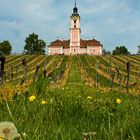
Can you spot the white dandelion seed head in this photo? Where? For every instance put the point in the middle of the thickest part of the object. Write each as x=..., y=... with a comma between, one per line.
x=8, y=130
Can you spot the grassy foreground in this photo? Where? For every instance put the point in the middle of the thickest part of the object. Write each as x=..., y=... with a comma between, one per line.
x=65, y=113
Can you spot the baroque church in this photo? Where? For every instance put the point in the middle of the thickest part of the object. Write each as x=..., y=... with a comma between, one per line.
x=75, y=45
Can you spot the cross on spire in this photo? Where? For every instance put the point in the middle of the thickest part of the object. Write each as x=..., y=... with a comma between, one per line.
x=75, y=3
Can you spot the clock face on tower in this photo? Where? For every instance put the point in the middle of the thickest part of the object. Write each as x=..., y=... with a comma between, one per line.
x=74, y=17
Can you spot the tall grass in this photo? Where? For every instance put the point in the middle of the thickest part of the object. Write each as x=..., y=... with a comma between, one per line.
x=74, y=109
x=68, y=113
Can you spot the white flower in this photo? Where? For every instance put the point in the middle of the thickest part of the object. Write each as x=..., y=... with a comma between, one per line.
x=8, y=130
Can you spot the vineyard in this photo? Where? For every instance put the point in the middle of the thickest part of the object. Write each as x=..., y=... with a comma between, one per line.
x=74, y=97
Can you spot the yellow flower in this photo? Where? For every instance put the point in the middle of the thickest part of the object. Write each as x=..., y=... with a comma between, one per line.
x=118, y=101
x=43, y=102
x=89, y=98
x=32, y=98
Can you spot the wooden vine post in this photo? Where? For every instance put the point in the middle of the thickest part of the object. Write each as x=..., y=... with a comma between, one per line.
x=24, y=63
x=111, y=74
x=36, y=72
x=119, y=76
x=12, y=73
x=128, y=76
x=44, y=71
x=2, y=62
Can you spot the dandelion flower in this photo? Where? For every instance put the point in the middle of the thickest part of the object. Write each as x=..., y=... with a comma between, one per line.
x=89, y=98
x=118, y=101
x=32, y=98
x=44, y=102
x=7, y=131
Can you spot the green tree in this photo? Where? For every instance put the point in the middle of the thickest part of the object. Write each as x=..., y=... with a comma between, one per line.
x=138, y=49
x=121, y=50
x=34, y=44
x=5, y=47
x=105, y=52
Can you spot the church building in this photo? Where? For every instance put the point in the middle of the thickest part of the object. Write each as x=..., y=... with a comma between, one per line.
x=75, y=45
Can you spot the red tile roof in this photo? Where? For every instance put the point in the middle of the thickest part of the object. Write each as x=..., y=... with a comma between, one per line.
x=83, y=43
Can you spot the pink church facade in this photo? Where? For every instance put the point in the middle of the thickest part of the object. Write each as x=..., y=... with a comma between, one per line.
x=75, y=45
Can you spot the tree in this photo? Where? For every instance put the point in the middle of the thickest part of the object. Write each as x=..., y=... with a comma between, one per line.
x=105, y=52
x=5, y=47
x=121, y=50
x=34, y=45
x=138, y=49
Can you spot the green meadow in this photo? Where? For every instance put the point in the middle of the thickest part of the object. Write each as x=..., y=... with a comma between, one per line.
x=80, y=97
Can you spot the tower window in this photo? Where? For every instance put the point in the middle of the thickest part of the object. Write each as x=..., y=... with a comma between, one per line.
x=74, y=23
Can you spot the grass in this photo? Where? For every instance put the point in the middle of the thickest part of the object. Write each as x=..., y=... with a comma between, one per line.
x=74, y=109
x=69, y=113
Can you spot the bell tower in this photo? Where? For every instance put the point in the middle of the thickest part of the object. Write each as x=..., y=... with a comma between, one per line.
x=75, y=31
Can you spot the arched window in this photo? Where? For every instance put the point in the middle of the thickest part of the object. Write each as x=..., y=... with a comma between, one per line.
x=74, y=23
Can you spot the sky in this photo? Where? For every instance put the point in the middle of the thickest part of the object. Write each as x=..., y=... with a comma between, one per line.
x=112, y=22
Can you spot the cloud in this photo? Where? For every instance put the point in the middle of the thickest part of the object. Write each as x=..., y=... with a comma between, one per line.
x=113, y=22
